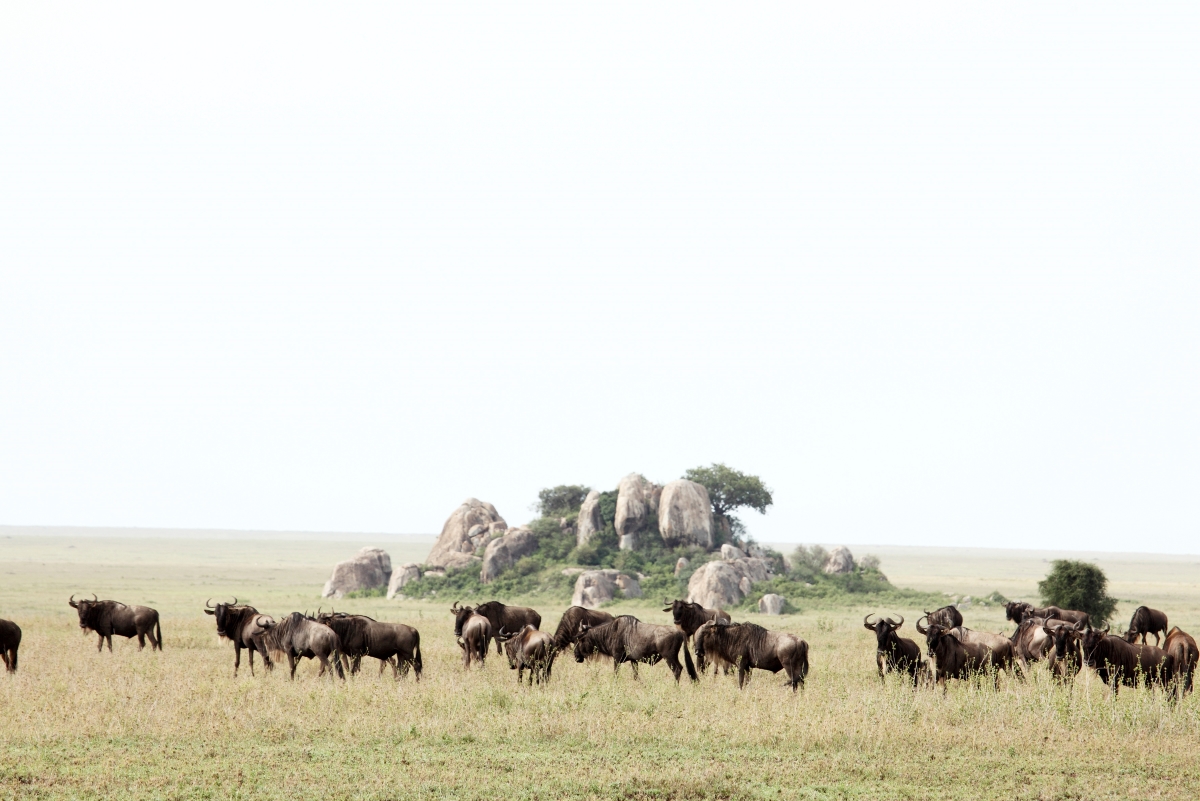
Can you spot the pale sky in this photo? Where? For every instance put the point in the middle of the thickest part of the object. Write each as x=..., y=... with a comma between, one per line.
x=930, y=270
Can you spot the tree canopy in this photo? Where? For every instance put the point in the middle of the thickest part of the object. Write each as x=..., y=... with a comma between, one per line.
x=1078, y=585
x=730, y=489
x=560, y=500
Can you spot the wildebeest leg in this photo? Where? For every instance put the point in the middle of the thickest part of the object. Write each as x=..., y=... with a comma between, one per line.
x=141, y=640
x=499, y=649
x=237, y=659
x=743, y=673
x=292, y=664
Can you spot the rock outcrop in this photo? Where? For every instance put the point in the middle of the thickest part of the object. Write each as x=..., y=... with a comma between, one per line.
x=681, y=564
x=636, y=499
x=468, y=528
x=503, y=552
x=596, y=587
x=728, y=581
x=771, y=604
x=370, y=569
x=685, y=514
x=405, y=574
x=589, y=518
x=840, y=560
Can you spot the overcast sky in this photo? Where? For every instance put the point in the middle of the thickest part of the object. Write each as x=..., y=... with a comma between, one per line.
x=930, y=270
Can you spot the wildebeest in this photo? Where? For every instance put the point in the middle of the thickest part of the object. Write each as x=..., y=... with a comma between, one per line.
x=301, y=637
x=1065, y=657
x=239, y=624
x=392, y=644
x=574, y=622
x=473, y=632
x=1146, y=621
x=750, y=646
x=1033, y=640
x=10, y=641
x=892, y=652
x=509, y=618
x=1117, y=662
x=947, y=617
x=1182, y=649
x=1019, y=610
x=107, y=618
x=955, y=659
x=627, y=639
x=532, y=649
x=690, y=616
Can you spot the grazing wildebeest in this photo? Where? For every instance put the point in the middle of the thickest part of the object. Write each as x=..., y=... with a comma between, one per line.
x=473, y=632
x=574, y=622
x=955, y=659
x=1146, y=621
x=947, y=617
x=301, y=637
x=509, y=618
x=239, y=623
x=1033, y=640
x=691, y=616
x=1182, y=649
x=1117, y=662
x=107, y=618
x=532, y=649
x=749, y=646
x=392, y=644
x=1019, y=610
x=10, y=641
x=627, y=639
x=892, y=652
x=1065, y=657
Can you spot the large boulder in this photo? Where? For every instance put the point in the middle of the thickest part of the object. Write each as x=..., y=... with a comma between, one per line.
x=596, y=587
x=685, y=514
x=715, y=585
x=468, y=528
x=405, y=574
x=771, y=604
x=589, y=518
x=636, y=499
x=369, y=569
x=840, y=560
x=504, y=551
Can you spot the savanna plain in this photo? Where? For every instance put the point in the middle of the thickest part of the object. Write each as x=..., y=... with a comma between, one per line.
x=179, y=725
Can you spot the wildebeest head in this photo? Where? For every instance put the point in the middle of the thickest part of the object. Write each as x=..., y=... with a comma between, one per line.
x=461, y=614
x=883, y=628
x=1016, y=611
x=933, y=636
x=221, y=613
x=1066, y=638
x=88, y=610
x=1093, y=645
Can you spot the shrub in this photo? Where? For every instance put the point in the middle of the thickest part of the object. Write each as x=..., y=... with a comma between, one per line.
x=1078, y=585
x=560, y=500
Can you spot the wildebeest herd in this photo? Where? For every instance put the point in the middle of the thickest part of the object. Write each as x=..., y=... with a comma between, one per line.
x=1063, y=638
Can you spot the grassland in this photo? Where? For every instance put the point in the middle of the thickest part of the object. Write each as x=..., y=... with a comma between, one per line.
x=177, y=724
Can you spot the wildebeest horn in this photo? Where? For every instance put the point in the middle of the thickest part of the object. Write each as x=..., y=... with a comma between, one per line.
x=867, y=625
x=918, y=624
x=896, y=625
x=234, y=601
x=454, y=608
x=71, y=601
x=208, y=604
x=1105, y=629
x=94, y=598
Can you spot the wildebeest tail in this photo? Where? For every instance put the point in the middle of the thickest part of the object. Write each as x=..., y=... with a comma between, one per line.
x=417, y=657
x=803, y=673
x=687, y=662
x=12, y=662
x=158, y=632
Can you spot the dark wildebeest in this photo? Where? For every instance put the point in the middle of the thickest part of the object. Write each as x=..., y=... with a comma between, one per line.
x=574, y=622
x=107, y=618
x=947, y=617
x=239, y=623
x=392, y=644
x=1182, y=649
x=749, y=646
x=532, y=649
x=1065, y=657
x=627, y=639
x=892, y=652
x=473, y=632
x=10, y=641
x=1033, y=640
x=1017, y=611
x=509, y=618
x=301, y=637
x=1146, y=621
x=955, y=659
x=690, y=616
x=1117, y=662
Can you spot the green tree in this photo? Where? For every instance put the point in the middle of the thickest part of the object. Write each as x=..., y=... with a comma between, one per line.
x=1078, y=585
x=560, y=500
x=730, y=489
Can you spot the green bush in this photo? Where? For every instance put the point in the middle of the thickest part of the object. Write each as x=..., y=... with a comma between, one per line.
x=1081, y=586
x=561, y=500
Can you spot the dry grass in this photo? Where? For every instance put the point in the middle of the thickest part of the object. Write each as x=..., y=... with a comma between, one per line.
x=176, y=724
